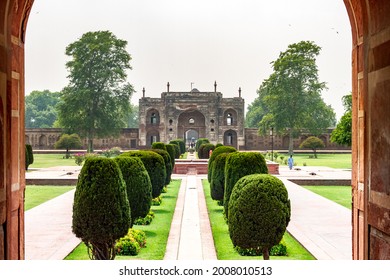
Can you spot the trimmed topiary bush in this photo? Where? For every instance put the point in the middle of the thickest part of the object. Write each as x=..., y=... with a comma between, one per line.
x=172, y=153
x=238, y=165
x=259, y=212
x=217, y=185
x=177, y=150
x=159, y=145
x=155, y=165
x=216, y=152
x=180, y=143
x=204, y=150
x=276, y=250
x=29, y=156
x=101, y=211
x=146, y=220
x=138, y=186
x=131, y=243
x=199, y=143
x=167, y=162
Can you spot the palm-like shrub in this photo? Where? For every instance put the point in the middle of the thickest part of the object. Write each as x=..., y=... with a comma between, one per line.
x=259, y=212
x=155, y=165
x=217, y=184
x=218, y=150
x=138, y=186
x=238, y=165
x=101, y=211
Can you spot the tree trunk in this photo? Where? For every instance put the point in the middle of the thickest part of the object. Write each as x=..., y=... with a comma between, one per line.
x=290, y=143
x=265, y=254
x=90, y=145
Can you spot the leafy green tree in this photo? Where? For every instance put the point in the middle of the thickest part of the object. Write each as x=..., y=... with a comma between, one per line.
x=342, y=134
x=68, y=142
x=292, y=94
x=41, y=109
x=313, y=143
x=256, y=110
x=133, y=118
x=96, y=101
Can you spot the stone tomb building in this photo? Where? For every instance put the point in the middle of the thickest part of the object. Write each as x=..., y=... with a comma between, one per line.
x=190, y=116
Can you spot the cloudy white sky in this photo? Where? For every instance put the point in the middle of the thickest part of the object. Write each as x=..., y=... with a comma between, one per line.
x=232, y=42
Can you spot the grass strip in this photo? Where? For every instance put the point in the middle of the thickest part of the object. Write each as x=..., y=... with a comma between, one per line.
x=36, y=195
x=50, y=160
x=339, y=194
x=223, y=243
x=338, y=161
x=156, y=233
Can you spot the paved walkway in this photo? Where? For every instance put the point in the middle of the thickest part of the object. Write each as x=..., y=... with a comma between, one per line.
x=320, y=225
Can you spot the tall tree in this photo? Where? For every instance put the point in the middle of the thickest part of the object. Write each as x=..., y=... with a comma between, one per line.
x=342, y=134
x=133, y=119
x=256, y=110
x=292, y=94
x=97, y=99
x=41, y=109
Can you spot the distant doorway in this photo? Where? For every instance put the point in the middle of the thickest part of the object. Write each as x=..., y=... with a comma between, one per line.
x=191, y=136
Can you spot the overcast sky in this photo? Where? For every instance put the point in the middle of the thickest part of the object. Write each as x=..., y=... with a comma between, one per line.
x=231, y=42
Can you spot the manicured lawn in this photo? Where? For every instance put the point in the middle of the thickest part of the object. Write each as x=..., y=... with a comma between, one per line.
x=339, y=194
x=156, y=233
x=224, y=246
x=341, y=161
x=50, y=160
x=36, y=195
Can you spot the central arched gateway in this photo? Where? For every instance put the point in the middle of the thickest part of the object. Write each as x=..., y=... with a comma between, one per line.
x=191, y=125
x=206, y=113
x=371, y=131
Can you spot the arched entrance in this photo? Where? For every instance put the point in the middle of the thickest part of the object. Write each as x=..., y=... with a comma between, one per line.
x=371, y=132
x=191, y=124
x=190, y=137
x=230, y=138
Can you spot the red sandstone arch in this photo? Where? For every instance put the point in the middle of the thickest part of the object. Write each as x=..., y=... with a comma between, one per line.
x=370, y=26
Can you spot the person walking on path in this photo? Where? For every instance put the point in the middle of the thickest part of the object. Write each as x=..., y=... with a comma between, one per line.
x=290, y=162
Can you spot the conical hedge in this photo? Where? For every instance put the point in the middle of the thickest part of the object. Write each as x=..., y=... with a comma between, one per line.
x=168, y=164
x=218, y=150
x=238, y=165
x=259, y=212
x=138, y=185
x=101, y=211
x=155, y=165
x=217, y=185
